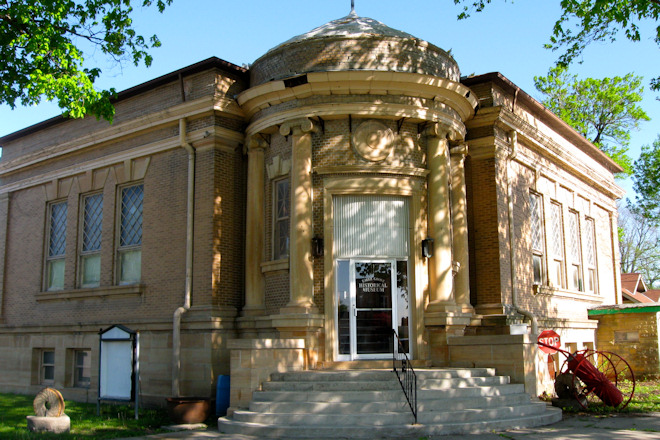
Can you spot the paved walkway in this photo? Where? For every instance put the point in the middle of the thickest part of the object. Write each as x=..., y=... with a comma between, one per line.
x=572, y=427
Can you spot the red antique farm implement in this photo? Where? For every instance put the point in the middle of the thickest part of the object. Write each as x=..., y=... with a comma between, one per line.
x=592, y=375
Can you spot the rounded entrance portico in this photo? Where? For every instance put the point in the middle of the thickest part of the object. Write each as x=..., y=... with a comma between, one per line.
x=360, y=126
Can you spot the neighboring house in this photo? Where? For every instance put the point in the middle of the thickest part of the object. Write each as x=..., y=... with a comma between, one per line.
x=632, y=332
x=634, y=290
x=654, y=295
x=292, y=215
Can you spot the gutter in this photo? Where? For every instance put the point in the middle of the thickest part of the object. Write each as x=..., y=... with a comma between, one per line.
x=512, y=253
x=187, y=296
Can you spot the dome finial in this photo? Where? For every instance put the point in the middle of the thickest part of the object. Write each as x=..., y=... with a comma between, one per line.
x=352, y=6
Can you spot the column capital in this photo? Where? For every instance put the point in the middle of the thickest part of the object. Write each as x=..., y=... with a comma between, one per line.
x=459, y=151
x=435, y=130
x=257, y=142
x=297, y=127
x=438, y=130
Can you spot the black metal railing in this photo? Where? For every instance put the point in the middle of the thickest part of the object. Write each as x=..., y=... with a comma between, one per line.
x=405, y=374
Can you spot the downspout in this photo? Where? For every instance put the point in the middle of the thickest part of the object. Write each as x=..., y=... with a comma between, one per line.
x=512, y=253
x=187, y=296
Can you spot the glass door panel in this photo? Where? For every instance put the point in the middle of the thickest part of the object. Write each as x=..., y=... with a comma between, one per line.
x=373, y=332
x=373, y=307
x=402, y=301
x=344, y=308
x=372, y=300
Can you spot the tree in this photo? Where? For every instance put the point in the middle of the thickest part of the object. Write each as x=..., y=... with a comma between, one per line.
x=602, y=110
x=639, y=241
x=41, y=48
x=585, y=21
x=646, y=181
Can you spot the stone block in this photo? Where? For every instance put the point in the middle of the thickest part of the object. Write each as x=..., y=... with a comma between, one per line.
x=55, y=425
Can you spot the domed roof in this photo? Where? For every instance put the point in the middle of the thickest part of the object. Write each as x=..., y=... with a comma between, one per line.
x=351, y=26
x=353, y=43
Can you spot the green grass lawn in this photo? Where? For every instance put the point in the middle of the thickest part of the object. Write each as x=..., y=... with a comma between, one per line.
x=646, y=398
x=114, y=421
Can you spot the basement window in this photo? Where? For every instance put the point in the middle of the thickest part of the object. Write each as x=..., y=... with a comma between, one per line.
x=626, y=336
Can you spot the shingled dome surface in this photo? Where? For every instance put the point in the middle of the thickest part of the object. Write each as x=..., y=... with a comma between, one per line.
x=353, y=43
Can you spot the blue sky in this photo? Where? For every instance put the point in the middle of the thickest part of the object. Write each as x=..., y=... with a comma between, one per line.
x=507, y=38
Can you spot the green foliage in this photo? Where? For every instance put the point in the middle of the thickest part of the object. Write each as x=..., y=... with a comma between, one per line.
x=114, y=421
x=602, y=110
x=639, y=240
x=585, y=21
x=41, y=47
x=646, y=181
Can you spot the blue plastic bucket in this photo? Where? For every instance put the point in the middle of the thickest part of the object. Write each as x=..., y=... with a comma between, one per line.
x=222, y=396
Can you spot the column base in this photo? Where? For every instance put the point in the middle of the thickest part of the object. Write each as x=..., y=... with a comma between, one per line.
x=253, y=311
x=298, y=324
x=306, y=326
x=250, y=327
x=305, y=308
x=443, y=314
x=438, y=342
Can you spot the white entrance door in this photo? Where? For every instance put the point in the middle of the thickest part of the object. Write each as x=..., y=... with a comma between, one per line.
x=371, y=236
x=372, y=298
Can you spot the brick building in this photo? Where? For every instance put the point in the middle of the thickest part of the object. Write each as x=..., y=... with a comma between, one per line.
x=631, y=331
x=292, y=215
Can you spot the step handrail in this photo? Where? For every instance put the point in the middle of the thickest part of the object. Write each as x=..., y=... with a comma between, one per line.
x=407, y=378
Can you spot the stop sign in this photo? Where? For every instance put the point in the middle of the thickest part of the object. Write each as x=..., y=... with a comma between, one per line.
x=550, y=340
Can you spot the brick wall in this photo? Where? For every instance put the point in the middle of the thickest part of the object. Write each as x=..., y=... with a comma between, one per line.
x=70, y=319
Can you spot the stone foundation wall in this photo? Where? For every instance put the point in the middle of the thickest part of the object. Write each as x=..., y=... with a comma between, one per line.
x=254, y=360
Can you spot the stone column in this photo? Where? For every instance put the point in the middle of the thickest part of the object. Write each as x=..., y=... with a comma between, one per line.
x=301, y=270
x=4, y=218
x=254, y=233
x=441, y=298
x=460, y=228
x=443, y=317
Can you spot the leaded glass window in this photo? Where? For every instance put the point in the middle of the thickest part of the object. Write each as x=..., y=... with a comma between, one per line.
x=575, y=250
x=590, y=256
x=282, y=221
x=536, y=218
x=90, y=258
x=556, y=245
x=130, y=234
x=56, y=246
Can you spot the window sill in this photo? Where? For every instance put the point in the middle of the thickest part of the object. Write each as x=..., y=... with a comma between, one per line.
x=275, y=265
x=570, y=294
x=92, y=293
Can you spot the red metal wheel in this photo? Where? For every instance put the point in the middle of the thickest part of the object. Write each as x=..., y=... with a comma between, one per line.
x=601, y=378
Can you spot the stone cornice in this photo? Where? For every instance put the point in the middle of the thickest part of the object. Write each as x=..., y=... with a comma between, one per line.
x=539, y=142
x=133, y=127
x=336, y=110
x=549, y=148
x=540, y=112
x=201, y=137
x=372, y=169
x=360, y=82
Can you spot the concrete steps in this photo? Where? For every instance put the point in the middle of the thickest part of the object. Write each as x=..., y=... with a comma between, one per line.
x=370, y=404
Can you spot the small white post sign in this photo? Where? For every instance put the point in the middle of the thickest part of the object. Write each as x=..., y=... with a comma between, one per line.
x=118, y=365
